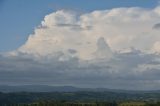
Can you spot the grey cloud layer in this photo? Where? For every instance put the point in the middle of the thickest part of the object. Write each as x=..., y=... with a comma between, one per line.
x=156, y=26
x=123, y=71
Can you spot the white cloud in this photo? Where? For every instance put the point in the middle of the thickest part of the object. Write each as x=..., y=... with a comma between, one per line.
x=105, y=48
x=156, y=46
x=122, y=28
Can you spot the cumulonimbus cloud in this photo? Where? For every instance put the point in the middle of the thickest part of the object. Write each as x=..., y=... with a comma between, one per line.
x=114, y=48
x=122, y=28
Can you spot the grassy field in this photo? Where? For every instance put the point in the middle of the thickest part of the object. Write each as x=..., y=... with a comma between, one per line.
x=133, y=104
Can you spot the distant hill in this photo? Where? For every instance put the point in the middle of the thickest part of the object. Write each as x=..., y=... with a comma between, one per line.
x=37, y=88
x=34, y=93
x=46, y=88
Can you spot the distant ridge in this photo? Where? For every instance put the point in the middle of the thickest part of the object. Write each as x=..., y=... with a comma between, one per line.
x=37, y=88
x=47, y=88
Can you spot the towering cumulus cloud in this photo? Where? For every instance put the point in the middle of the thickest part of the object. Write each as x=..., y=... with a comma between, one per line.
x=117, y=48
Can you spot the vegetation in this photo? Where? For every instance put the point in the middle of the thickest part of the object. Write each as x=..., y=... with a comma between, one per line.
x=62, y=103
x=80, y=99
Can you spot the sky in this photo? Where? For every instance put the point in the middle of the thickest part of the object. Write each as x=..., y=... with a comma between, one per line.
x=27, y=15
x=88, y=43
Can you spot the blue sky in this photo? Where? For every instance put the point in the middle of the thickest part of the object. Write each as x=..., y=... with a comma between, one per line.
x=18, y=18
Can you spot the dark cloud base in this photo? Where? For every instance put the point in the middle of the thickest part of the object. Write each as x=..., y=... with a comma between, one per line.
x=123, y=71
